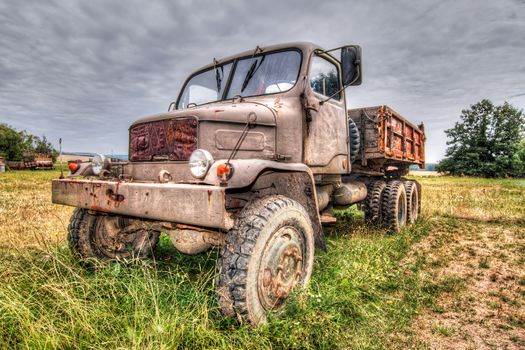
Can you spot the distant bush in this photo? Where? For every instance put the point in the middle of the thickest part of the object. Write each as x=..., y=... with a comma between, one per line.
x=489, y=141
x=14, y=145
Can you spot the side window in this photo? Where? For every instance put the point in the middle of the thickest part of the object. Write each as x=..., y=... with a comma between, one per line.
x=324, y=78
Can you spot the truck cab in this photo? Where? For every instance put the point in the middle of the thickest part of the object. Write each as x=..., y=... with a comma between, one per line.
x=250, y=157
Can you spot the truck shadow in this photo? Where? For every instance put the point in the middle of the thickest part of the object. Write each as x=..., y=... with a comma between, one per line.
x=351, y=222
x=167, y=255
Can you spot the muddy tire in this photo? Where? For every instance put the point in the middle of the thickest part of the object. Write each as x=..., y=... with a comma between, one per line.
x=394, y=208
x=267, y=254
x=108, y=237
x=373, y=201
x=413, y=201
x=420, y=194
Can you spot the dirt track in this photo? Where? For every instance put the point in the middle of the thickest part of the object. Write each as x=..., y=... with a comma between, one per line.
x=478, y=268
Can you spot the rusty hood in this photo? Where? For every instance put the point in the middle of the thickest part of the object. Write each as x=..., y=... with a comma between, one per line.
x=226, y=111
x=175, y=135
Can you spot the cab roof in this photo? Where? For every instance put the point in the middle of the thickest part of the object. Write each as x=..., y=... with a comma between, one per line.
x=302, y=45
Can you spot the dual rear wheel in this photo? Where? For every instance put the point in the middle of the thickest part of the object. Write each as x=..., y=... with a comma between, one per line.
x=392, y=203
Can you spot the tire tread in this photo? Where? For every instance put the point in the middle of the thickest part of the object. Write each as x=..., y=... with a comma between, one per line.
x=239, y=244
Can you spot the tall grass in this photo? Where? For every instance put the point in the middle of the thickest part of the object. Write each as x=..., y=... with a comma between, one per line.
x=361, y=291
x=496, y=200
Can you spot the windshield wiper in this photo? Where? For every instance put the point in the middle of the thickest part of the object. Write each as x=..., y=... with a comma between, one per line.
x=218, y=77
x=251, y=72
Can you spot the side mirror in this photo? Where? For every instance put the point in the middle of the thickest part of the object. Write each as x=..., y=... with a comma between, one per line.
x=172, y=106
x=351, y=65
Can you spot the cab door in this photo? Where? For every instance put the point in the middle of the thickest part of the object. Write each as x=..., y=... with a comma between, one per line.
x=325, y=143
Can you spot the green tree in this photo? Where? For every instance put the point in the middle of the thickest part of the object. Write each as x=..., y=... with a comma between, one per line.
x=519, y=159
x=15, y=144
x=485, y=142
x=43, y=146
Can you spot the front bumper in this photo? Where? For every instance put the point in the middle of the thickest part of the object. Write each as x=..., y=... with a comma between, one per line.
x=198, y=205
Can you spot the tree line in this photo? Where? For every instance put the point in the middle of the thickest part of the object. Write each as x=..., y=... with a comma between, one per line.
x=488, y=141
x=15, y=145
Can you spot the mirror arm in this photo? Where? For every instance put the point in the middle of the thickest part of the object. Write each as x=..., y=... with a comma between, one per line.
x=326, y=51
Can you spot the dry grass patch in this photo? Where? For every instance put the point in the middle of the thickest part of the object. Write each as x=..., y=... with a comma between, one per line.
x=477, y=266
x=27, y=216
x=475, y=199
x=486, y=307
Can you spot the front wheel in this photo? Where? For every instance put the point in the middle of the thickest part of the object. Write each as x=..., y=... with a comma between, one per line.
x=267, y=255
x=109, y=237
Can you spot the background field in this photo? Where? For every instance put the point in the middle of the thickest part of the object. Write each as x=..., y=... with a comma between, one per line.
x=456, y=279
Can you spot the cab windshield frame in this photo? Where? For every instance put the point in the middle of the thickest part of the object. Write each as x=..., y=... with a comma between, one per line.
x=232, y=72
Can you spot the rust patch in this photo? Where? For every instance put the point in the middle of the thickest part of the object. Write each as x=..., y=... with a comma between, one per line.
x=175, y=139
x=114, y=195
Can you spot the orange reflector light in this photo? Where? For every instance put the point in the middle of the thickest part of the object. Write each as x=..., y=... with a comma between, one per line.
x=224, y=170
x=73, y=167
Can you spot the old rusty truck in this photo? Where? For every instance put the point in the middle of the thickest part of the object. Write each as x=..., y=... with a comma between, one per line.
x=253, y=155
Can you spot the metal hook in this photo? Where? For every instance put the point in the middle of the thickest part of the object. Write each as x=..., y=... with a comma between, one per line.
x=257, y=50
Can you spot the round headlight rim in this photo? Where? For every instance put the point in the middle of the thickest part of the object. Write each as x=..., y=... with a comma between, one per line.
x=99, y=162
x=209, y=162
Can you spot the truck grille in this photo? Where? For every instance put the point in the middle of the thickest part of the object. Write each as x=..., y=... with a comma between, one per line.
x=172, y=139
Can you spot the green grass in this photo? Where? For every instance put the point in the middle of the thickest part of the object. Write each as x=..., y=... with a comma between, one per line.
x=363, y=289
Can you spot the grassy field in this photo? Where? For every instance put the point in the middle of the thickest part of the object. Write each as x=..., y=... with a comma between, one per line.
x=455, y=279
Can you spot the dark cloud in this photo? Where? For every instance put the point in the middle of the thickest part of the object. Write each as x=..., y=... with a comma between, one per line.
x=83, y=70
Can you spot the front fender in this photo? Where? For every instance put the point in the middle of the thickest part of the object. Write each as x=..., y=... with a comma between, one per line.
x=294, y=180
x=246, y=171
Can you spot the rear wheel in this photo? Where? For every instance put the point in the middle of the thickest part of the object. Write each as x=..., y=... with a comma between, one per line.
x=108, y=237
x=267, y=255
x=413, y=201
x=373, y=201
x=394, y=206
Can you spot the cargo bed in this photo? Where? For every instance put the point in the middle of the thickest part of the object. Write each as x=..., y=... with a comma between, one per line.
x=387, y=140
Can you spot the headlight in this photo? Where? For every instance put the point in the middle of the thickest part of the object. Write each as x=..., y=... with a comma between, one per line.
x=200, y=162
x=98, y=163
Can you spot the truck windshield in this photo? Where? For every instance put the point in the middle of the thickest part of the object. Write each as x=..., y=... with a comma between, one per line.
x=263, y=74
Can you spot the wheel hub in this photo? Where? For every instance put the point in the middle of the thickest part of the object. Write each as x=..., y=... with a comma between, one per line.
x=281, y=267
x=113, y=240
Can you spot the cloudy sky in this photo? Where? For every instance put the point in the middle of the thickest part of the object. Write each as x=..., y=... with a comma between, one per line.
x=83, y=70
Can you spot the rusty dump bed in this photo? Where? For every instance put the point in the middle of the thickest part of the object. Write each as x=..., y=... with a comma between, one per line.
x=387, y=138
